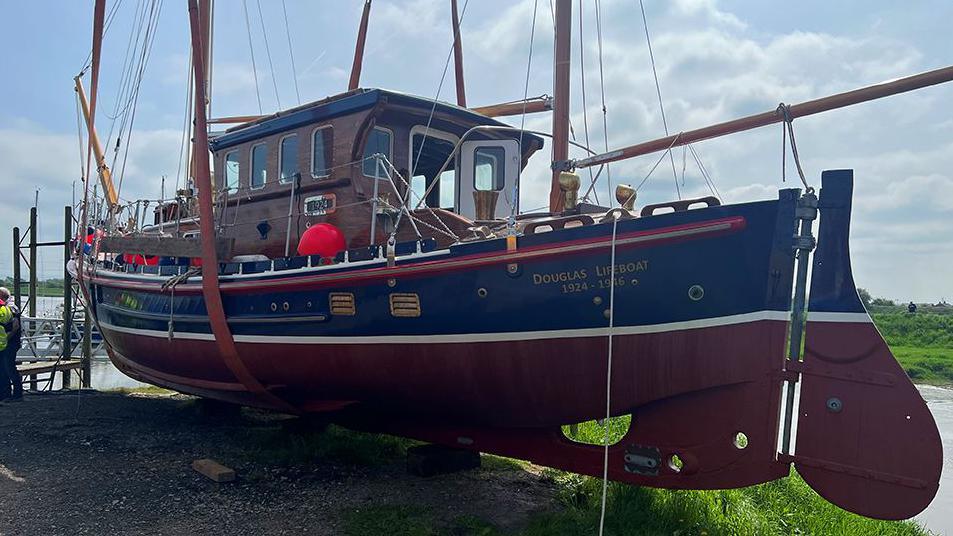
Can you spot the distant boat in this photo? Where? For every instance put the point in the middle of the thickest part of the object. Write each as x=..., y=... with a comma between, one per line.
x=462, y=320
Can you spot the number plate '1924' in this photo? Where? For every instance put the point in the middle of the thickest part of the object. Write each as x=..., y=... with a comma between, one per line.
x=320, y=205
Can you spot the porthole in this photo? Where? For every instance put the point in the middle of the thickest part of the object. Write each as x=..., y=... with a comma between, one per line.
x=740, y=441
x=481, y=292
x=274, y=307
x=285, y=306
x=675, y=463
x=696, y=292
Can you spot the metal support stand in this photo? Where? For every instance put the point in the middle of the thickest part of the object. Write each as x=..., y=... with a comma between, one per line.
x=17, y=298
x=31, y=300
x=377, y=173
x=804, y=243
x=67, y=295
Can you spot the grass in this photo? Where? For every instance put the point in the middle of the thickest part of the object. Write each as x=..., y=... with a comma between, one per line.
x=141, y=390
x=279, y=447
x=922, y=343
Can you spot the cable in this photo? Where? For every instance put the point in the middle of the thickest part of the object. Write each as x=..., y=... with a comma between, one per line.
x=294, y=70
x=658, y=91
x=529, y=64
x=251, y=47
x=582, y=79
x=271, y=66
x=602, y=89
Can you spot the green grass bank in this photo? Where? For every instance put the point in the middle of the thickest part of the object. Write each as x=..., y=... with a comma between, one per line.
x=921, y=342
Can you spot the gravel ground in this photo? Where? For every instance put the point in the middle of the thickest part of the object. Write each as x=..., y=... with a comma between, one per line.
x=108, y=463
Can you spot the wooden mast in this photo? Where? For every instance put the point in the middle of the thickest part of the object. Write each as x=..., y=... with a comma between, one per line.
x=458, y=56
x=840, y=100
x=560, y=101
x=203, y=182
x=355, y=81
x=105, y=175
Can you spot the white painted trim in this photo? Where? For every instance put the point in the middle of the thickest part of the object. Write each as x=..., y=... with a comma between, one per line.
x=860, y=318
x=778, y=316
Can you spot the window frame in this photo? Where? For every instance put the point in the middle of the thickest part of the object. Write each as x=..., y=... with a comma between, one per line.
x=431, y=132
x=251, y=166
x=238, y=160
x=390, y=148
x=281, y=150
x=324, y=150
x=499, y=166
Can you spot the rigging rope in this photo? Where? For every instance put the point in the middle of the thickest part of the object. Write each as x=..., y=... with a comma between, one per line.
x=605, y=440
x=529, y=64
x=658, y=91
x=602, y=89
x=436, y=97
x=271, y=66
x=251, y=47
x=294, y=70
x=785, y=111
x=582, y=80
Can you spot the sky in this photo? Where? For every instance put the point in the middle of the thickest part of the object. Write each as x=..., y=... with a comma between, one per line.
x=716, y=60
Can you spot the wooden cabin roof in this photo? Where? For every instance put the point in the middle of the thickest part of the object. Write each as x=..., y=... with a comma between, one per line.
x=344, y=104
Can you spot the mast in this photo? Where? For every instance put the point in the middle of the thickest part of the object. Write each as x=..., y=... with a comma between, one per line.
x=105, y=175
x=359, y=49
x=561, y=101
x=458, y=56
x=823, y=104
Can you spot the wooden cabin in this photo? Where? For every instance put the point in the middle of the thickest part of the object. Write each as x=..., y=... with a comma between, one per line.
x=316, y=162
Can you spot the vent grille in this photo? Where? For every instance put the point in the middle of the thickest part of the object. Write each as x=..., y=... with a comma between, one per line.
x=342, y=303
x=404, y=305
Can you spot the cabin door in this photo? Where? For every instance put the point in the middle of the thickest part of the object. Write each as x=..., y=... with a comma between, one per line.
x=488, y=165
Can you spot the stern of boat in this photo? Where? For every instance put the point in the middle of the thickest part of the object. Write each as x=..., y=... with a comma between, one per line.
x=865, y=439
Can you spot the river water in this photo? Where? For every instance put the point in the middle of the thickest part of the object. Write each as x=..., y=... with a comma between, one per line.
x=938, y=517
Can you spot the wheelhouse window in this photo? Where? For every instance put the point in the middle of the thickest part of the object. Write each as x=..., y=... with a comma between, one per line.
x=488, y=168
x=288, y=157
x=321, y=141
x=430, y=150
x=380, y=140
x=232, y=171
x=259, y=165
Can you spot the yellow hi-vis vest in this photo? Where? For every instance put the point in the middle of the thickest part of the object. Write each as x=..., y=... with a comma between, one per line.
x=6, y=316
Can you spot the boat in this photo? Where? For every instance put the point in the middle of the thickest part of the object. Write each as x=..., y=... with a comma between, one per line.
x=364, y=257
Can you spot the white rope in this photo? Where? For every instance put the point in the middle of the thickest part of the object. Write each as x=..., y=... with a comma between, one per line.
x=605, y=439
x=658, y=91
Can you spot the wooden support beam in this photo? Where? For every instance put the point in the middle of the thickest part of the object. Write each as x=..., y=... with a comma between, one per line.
x=515, y=108
x=105, y=175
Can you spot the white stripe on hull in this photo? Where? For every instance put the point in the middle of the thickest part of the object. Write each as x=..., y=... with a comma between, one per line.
x=505, y=336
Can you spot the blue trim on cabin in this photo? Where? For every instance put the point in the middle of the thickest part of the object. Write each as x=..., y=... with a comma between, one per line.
x=323, y=110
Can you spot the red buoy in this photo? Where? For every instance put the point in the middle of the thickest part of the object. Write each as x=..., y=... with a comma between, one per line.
x=321, y=239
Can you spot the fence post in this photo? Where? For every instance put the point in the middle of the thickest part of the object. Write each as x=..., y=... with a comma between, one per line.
x=31, y=303
x=67, y=332
x=16, y=267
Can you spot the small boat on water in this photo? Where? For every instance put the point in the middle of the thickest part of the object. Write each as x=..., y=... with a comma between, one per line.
x=365, y=256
